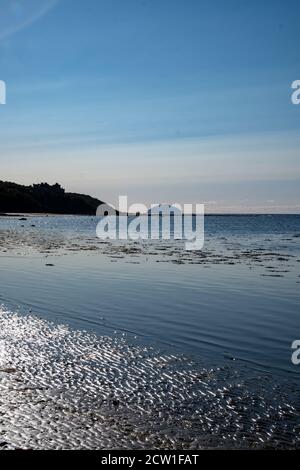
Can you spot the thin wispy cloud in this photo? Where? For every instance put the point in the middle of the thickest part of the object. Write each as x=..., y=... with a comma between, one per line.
x=16, y=15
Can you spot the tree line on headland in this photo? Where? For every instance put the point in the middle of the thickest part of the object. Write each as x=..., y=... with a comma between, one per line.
x=44, y=198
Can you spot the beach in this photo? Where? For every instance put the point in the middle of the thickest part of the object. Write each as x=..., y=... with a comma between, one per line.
x=108, y=345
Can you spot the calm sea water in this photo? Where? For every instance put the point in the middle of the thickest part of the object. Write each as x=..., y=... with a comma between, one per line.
x=240, y=302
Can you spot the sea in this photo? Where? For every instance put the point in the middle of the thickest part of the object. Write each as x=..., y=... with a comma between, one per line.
x=96, y=335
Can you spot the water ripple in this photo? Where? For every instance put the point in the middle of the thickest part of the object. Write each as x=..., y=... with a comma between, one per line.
x=67, y=389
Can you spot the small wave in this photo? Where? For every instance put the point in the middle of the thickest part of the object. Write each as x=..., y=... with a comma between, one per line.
x=67, y=389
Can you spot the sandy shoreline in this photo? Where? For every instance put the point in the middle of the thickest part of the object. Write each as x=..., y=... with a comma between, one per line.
x=62, y=388
x=67, y=389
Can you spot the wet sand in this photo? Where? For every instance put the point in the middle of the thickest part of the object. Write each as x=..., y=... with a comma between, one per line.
x=69, y=389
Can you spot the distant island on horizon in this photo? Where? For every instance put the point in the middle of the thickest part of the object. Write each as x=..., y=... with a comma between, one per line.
x=44, y=198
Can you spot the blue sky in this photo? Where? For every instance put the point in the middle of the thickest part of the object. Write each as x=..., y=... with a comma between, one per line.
x=162, y=100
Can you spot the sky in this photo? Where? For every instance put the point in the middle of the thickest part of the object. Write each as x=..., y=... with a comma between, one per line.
x=185, y=101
